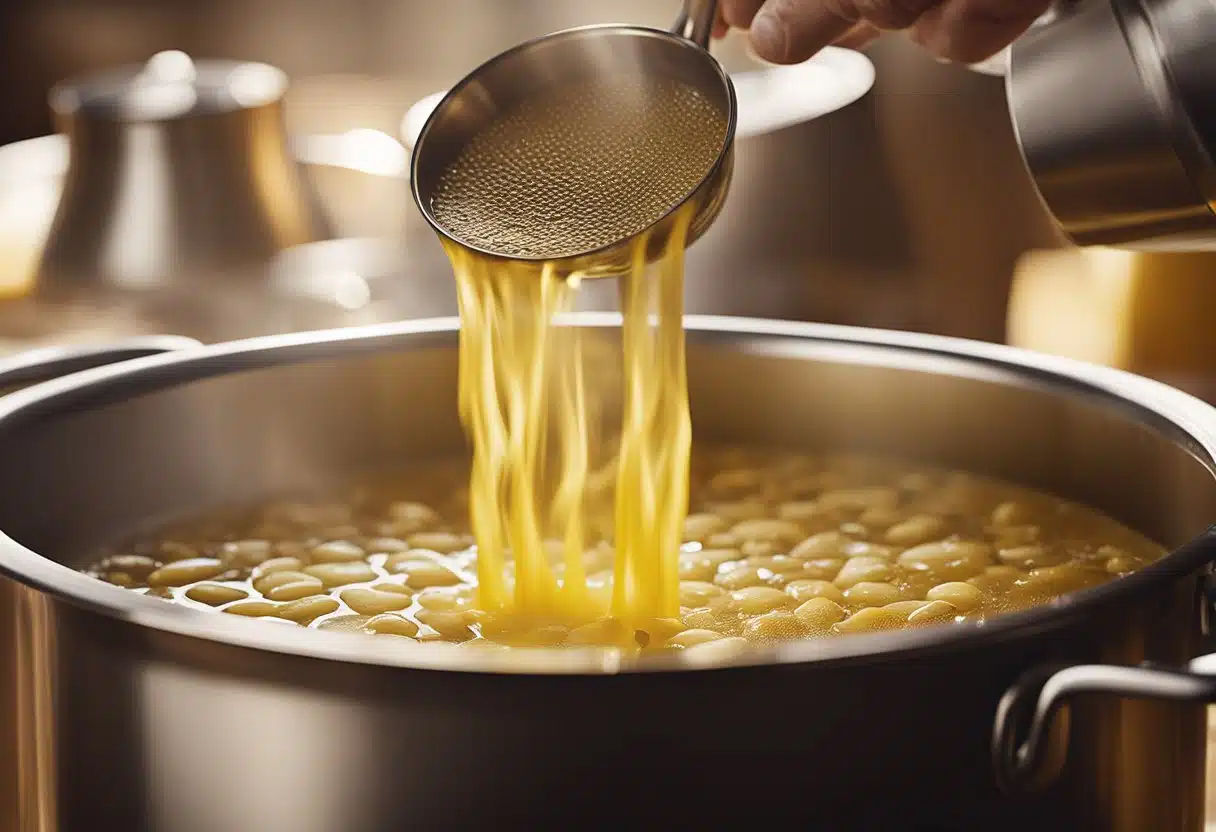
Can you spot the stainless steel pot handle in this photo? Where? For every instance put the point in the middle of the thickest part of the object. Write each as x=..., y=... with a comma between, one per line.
x=46, y=363
x=1027, y=711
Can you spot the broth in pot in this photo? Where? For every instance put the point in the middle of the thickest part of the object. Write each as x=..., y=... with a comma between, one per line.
x=778, y=546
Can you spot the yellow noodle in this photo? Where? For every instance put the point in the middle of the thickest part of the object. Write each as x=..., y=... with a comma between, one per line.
x=531, y=408
x=656, y=436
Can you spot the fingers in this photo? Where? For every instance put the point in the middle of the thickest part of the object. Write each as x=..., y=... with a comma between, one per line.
x=739, y=13
x=891, y=15
x=965, y=31
x=790, y=31
x=969, y=31
x=860, y=35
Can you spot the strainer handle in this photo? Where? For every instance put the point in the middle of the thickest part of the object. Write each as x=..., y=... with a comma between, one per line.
x=696, y=21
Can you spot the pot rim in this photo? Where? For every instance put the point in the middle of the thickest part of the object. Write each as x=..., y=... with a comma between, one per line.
x=1184, y=419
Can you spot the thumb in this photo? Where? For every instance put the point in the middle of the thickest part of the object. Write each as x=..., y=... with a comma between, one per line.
x=969, y=31
x=791, y=31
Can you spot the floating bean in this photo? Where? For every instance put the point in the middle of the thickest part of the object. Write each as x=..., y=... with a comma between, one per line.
x=307, y=610
x=965, y=597
x=422, y=573
x=295, y=590
x=183, y=572
x=371, y=602
x=341, y=574
x=760, y=599
x=872, y=594
x=691, y=638
x=953, y=560
x=252, y=609
x=697, y=593
x=774, y=626
x=861, y=569
x=822, y=545
x=337, y=551
x=442, y=542
x=214, y=595
x=934, y=612
x=806, y=589
x=392, y=624
x=820, y=613
x=284, y=564
x=870, y=619
x=698, y=527
x=916, y=530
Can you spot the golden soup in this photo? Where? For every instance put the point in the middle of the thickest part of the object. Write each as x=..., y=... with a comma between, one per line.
x=778, y=546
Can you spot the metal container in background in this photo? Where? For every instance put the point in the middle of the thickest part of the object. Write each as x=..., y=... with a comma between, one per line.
x=1114, y=103
x=179, y=171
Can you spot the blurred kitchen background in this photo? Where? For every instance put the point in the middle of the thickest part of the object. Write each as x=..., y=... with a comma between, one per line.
x=907, y=209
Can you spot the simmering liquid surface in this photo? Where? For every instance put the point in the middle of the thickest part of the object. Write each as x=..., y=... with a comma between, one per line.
x=779, y=546
x=581, y=167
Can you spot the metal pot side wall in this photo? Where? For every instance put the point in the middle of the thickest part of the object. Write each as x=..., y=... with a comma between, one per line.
x=163, y=732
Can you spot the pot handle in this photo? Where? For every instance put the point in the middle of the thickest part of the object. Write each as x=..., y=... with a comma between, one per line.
x=47, y=363
x=1029, y=707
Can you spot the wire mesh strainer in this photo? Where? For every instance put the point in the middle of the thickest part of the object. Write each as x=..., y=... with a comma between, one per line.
x=567, y=147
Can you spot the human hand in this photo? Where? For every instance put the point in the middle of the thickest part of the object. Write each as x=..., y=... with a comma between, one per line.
x=963, y=31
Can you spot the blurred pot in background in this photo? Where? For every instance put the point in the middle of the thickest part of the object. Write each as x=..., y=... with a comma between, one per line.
x=179, y=170
x=175, y=201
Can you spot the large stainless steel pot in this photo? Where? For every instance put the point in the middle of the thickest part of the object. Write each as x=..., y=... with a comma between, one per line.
x=136, y=714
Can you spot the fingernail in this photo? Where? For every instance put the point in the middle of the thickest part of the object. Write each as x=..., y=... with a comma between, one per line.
x=768, y=37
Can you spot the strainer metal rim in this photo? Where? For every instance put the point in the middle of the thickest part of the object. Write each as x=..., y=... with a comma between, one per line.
x=616, y=28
